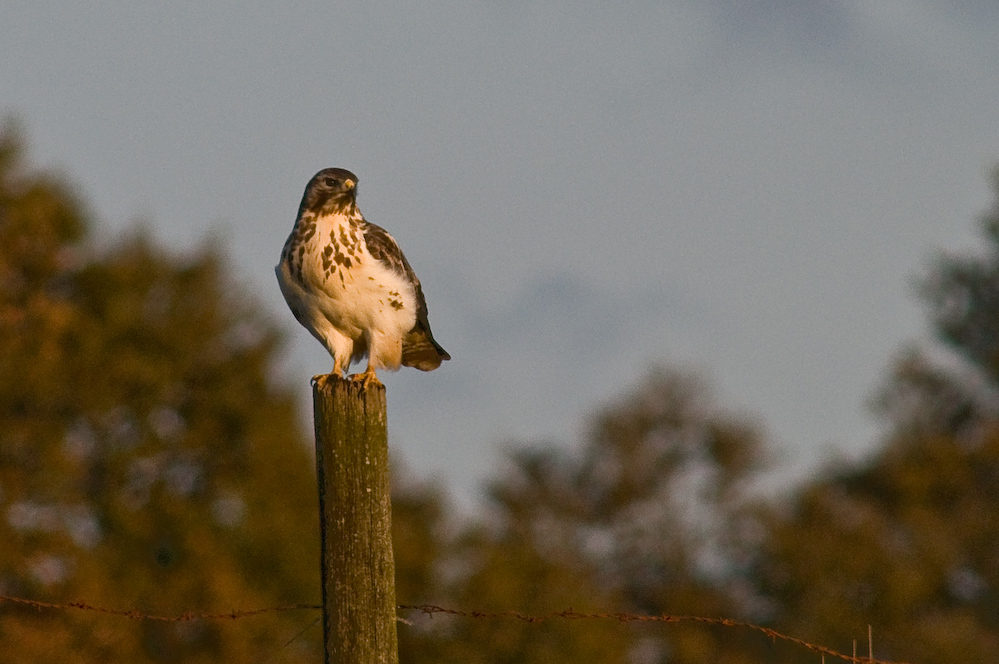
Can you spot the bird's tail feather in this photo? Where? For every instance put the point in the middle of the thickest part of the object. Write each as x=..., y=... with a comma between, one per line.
x=419, y=350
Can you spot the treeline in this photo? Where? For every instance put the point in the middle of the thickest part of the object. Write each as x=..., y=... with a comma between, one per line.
x=150, y=460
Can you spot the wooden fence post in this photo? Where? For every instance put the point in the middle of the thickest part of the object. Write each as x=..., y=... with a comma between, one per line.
x=355, y=511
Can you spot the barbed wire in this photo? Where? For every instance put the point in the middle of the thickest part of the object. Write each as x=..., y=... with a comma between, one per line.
x=570, y=614
x=431, y=610
x=135, y=614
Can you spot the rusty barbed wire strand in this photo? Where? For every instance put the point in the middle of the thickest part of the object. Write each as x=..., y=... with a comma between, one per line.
x=571, y=614
x=135, y=614
x=432, y=609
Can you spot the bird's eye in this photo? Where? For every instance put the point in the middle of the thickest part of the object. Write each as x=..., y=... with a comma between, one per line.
x=331, y=182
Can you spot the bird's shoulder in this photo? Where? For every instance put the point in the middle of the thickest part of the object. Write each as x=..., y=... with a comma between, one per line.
x=383, y=248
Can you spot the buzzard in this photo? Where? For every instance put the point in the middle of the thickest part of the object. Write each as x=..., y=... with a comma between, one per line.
x=349, y=284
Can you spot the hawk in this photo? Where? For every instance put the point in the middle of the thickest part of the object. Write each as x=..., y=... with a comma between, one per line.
x=349, y=284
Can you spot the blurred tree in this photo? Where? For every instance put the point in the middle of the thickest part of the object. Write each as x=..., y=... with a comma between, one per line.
x=423, y=540
x=906, y=544
x=147, y=457
x=956, y=386
x=906, y=541
x=646, y=516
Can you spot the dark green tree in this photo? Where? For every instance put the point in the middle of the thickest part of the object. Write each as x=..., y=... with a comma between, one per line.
x=954, y=386
x=906, y=541
x=148, y=458
x=646, y=515
x=423, y=530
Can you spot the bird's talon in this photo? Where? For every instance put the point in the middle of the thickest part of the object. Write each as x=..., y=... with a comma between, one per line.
x=367, y=379
x=322, y=380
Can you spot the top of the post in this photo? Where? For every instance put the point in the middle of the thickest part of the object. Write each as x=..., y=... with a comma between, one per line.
x=330, y=386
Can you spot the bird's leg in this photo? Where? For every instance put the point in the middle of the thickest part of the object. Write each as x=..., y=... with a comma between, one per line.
x=368, y=378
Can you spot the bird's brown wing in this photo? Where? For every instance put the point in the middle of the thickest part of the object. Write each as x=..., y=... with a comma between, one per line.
x=419, y=349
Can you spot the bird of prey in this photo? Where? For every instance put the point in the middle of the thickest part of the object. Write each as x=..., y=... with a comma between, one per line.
x=349, y=284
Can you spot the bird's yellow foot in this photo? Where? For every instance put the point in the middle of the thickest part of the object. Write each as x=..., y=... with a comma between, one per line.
x=367, y=379
x=321, y=380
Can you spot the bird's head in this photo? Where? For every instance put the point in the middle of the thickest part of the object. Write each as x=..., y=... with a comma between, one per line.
x=330, y=191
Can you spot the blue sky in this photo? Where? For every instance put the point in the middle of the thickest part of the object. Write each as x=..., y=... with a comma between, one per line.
x=744, y=188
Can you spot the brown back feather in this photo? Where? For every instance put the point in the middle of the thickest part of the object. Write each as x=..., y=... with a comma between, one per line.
x=419, y=349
